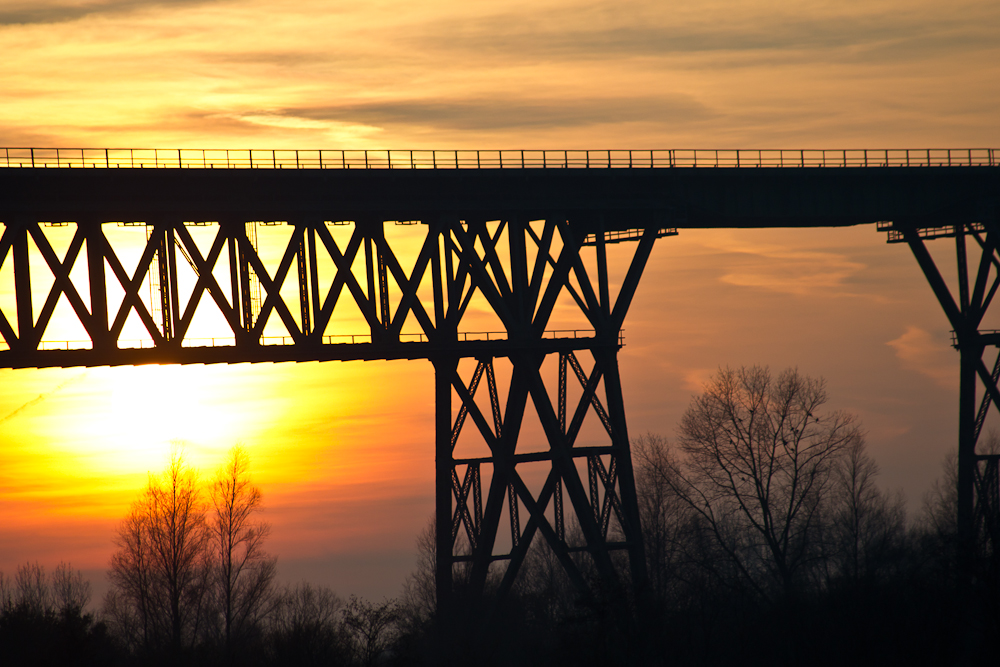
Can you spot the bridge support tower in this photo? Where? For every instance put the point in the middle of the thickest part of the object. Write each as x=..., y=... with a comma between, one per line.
x=578, y=499
x=977, y=280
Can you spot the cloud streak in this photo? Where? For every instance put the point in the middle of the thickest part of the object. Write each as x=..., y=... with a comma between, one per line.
x=498, y=114
x=29, y=13
x=917, y=351
x=790, y=271
x=887, y=33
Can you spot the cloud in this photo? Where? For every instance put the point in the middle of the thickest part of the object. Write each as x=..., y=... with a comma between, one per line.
x=917, y=351
x=69, y=10
x=696, y=379
x=602, y=30
x=798, y=272
x=493, y=114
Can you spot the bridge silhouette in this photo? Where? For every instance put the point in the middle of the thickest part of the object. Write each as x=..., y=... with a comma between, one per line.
x=518, y=235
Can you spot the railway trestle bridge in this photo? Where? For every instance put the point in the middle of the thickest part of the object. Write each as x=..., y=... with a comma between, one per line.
x=517, y=235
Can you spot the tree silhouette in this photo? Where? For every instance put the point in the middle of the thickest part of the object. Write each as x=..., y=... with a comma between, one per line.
x=867, y=525
x=162, y=568
x=245, y=571
x=374, y=626
x=305, y=628
x=43, y=622
x=759, y=458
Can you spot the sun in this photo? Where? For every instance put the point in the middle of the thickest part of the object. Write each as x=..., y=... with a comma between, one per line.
x=145, y=412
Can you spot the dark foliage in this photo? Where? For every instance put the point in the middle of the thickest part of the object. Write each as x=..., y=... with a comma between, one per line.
x=53, y=638
x=43, y=622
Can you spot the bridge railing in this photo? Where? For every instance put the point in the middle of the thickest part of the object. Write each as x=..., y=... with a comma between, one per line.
x=199, y=158
x=328, y=339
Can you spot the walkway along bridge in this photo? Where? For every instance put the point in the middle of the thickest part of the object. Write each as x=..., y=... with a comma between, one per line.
x=514, y=232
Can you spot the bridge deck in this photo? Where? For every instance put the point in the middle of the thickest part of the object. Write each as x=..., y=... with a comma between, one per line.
x=622, y=189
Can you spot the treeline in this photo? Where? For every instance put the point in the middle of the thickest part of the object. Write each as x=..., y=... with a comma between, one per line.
x=191, y=584
x=44, y=622
x=768, y=541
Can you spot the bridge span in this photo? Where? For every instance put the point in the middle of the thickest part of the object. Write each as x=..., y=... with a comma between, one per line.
x=510, y=233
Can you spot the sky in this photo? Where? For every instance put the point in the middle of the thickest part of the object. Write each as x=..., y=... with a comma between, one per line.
x=343, y=451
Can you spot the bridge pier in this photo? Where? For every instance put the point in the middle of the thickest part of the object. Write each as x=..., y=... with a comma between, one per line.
x=481, y=499
x=978, y=512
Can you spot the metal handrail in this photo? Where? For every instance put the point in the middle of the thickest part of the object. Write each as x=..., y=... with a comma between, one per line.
x=329, y=339
x=200, y=158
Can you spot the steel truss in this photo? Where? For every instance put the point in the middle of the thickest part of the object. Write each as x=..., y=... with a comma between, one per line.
x=978, y=478
x=584, y=508
x=605, y=509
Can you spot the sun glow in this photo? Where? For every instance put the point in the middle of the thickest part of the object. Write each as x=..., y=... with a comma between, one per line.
x=84, y=441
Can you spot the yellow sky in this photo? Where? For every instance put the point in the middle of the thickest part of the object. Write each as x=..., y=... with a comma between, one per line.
x=343, y=449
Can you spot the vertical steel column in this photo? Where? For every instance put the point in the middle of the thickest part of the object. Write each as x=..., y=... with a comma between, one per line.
x=98, y=289
x=235, y=276
x=383, y=285
x=163, y=256
x=175, y=306
x=303, y=271
x=626, y=476
x=970, y=352
x=370, y=271
x=246, y=297
x=444, y=371
x=22, y=289
x=314, y=272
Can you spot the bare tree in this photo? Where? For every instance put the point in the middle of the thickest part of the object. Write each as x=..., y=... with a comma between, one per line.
x=940, y=507
x=306, y=628
x=419, y=599
x=419, y=592
x=161, y=569
x=373, y=626
x=245, y=571
x=131, y=603
x=179, y=538
x=6, y=594
x=32, y=592
x=759, y=455
x=666, y=517
x=71, y=592
x=868, y=525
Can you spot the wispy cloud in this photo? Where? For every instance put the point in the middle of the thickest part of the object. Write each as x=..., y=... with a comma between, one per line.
x=789, y=270
x=493, y=114
x=61, y=11
x=600, y=30
x=918, y=351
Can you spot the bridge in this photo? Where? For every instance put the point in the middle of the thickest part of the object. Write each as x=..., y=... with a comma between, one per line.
x=345, y=255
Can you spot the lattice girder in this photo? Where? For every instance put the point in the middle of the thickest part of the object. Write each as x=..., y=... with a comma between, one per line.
x=288, y=311
x=978, y=495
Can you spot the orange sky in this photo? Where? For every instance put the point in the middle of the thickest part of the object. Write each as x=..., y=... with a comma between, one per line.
x=343, y=450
